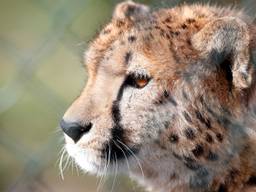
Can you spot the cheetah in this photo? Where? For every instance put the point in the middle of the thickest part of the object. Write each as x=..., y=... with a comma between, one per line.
x=170, y=99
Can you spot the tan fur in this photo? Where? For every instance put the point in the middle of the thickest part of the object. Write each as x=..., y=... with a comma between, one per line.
x=193, y=124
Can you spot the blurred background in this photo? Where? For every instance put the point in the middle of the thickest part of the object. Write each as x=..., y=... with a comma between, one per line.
x=41, y=49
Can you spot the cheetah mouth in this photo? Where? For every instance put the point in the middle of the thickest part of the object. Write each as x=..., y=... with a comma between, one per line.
x=105, y=160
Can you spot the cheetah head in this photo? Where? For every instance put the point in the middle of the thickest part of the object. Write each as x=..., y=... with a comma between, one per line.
x=158, y=83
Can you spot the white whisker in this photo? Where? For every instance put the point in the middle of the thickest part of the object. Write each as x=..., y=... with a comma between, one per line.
x=126, y=159
x=61, y=164
x=135, y=157
x=77, y=168
x=101, y=184
x=114, y=181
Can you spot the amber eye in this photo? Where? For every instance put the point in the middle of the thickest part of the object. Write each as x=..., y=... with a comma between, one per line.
x=141, y=82
x=137, y=81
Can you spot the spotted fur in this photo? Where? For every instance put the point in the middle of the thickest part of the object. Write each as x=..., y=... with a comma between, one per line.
x=192, y=125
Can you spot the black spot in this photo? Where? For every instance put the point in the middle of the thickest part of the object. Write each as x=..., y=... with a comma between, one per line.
x=159, y=101
x=166, y=94
x=189, y=133
x=189, y=42
x=207, y=122
x=119, y=23
x=174, y=33
x=162, y=32
x=169, y=27
x=222, y=188
x=198, y=150
x=189, y=21
x=167, y=36
x=167, y=20
x=199, y=116
x=127, y=57
x=184, y=26
x=151, y=36
x=174, y=138
x=209, y=138
x=187, y=117
x=191, y=163
x=166, y=97
x=219, y=137
x=132, y=39
x=163, y=98
x=212, y=156
x=201, y=99
x=197, y=26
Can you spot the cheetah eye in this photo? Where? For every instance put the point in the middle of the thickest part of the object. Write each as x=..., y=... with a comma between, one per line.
x=137, y=81
x=140, y=83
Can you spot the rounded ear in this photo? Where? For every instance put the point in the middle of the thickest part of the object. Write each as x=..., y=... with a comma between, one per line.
x=227, y=37
x=131, y=11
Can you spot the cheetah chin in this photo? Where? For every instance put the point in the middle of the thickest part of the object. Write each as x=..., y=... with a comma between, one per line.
x=170, y=99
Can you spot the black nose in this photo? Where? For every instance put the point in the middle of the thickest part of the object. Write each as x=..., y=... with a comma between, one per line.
x=74, y=130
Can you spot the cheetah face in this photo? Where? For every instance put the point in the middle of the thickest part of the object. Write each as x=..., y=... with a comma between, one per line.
x=146, y=78
x=118, y=112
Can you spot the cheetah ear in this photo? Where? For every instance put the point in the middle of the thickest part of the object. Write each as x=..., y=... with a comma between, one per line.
x=131, y=11
x=225, y=38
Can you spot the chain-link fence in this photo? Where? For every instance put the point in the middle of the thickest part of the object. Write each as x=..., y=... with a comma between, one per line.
x=41, y=45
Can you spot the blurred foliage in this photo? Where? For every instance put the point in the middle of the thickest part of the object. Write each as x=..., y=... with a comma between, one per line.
x=41, y=49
